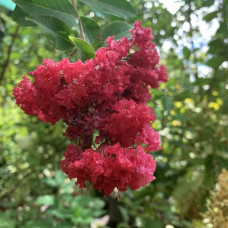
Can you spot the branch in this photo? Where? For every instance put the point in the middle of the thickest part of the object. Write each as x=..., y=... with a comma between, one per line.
x=79, y=21
x=15, y=186
x=72, y=53
x=192, y=42
x=6, y=63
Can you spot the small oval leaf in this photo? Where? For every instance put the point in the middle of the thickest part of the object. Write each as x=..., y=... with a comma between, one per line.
x=45, y=200
x=84, y=50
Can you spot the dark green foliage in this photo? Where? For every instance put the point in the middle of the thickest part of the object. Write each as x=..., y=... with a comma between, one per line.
x=59, y=19
x=191, y=114
x=55, y=31
x=91, y=29
x=60, y=9
x=118, y=29
x=119, y=8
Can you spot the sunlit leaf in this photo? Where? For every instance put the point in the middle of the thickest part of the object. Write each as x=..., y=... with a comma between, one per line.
x=84, y=50
x=45, y=200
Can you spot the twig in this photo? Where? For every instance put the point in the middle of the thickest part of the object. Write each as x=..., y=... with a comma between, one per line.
x=79, y=21
x=72, y=53
x=192, y=42
x=15, y=186
x=6, y=63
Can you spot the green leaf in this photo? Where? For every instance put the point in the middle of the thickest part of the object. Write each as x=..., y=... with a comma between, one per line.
x=118, y=29
x=6, y=222
x=210, y=16
x=45, y=200
x=186, y=52
x=91, y=28
x=37, y=224
x=167, y=103
x=60, y=178
x=218, y=47
x=124, y=213
x=19, y=16
x=120, y=8
x=51, y=182
x=55, y=30
x=61, y=9
x=216, y=61
x=153, y=223
x=61, y=213
x=84, y=50
x=206, y=3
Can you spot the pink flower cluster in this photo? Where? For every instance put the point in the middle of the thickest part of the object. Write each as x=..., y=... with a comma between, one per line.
x=107, y=94
x=109, y=166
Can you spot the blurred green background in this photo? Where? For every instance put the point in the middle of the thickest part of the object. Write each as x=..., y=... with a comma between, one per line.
x=191, y=109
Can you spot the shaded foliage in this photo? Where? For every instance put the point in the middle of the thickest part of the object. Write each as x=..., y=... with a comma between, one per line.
x=191, y=110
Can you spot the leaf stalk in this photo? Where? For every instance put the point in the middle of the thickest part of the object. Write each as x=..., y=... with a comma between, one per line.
x=82, y=36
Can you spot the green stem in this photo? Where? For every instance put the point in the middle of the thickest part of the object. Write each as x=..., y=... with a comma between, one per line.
x=79, y=21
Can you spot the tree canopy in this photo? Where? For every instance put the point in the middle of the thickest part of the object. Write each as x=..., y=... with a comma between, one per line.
x=191, y=110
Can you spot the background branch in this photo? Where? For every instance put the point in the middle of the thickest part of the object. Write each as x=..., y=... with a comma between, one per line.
x=6, y=63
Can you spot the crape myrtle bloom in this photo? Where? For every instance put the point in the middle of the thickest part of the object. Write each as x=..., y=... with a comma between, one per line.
x=109, y=167
x=107, y=94
x=126, y=120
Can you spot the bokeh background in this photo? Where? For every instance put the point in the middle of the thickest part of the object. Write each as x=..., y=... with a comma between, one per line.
x=191, y=186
